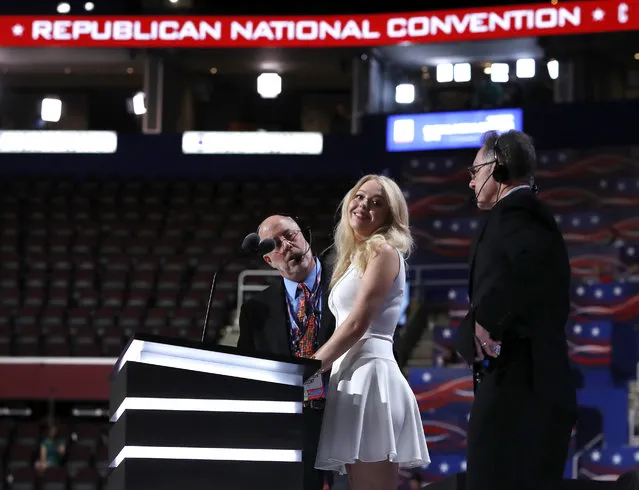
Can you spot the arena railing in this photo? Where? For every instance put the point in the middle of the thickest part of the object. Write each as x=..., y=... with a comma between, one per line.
x=416, y=283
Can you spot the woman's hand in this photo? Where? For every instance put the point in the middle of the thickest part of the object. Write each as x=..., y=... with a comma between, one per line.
x=324, y=367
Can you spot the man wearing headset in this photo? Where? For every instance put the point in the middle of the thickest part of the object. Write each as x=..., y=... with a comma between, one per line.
x=513, y=336
x=271, y=322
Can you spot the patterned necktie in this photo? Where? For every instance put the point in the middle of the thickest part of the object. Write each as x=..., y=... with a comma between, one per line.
x=306, y=317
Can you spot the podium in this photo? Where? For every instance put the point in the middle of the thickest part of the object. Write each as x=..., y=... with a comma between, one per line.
x=190, y=416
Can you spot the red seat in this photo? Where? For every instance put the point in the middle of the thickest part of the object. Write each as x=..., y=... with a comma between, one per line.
x=142, y=279
x=156, y=318
x=146, y=265
x=58, y=298
x=78, y=458
x=56, y=335
x=139, y=246
x=27, y=434
x=175, y=264
x=86, y=478
x=84, y=279
x=9, y=260
x=52, y=316
x=10, y=298
x=60, y=280
x=8, y=279
x=34, y=297
x=6, y=335
x=113, y=279
x=55, y=350
x=35, y=244
x=86, y=350
x=193, y=299
x=167, y=246
x=130, y=318
x=104, y=318
x=53, y=478
x=138, y=298
x=85, y=263
x=201, y=281
x=26, y=317
x=102, y=459
x=87, y=298
x=60, y=244
x=61, y=262
x=170, y=280
x=21, y=456
x=113, y=299
x=111, y=245
x=167, y=299
x=84, y=244
x=182, y=318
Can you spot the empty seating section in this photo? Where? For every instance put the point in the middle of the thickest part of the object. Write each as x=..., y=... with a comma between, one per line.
x=83, y=465
x=594, y=196
x=84, y=263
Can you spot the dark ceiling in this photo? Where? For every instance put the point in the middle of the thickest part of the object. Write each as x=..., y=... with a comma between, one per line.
x=42, y=7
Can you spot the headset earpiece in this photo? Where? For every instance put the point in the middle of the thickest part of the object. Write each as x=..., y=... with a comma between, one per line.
x=306, y=230
x=501, y=173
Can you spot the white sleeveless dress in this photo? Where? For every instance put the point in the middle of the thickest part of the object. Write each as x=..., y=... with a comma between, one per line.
x=371, y=413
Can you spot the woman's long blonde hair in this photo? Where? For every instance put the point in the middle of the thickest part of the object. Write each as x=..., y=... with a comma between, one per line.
x=395, y=231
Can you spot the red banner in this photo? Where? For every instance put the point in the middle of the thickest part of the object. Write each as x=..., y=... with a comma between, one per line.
x=322, y=31
x=42, y=378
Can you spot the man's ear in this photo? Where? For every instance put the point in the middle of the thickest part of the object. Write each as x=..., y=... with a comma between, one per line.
x=267, y=259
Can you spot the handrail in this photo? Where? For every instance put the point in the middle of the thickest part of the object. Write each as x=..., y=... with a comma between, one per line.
x=414, y=280
x=587, y=447
x=243, y=288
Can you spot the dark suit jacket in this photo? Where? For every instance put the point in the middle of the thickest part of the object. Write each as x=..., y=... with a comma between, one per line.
x=264, y=322
x=519, y=291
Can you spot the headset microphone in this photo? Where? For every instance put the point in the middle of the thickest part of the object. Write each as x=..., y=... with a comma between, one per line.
x=475, y=199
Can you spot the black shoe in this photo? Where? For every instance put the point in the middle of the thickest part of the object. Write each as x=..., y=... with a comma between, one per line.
x=628, y=481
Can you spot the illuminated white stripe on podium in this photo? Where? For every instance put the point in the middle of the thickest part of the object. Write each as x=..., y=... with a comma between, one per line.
x=207, y=454
x=235, y=365
x=199, y=405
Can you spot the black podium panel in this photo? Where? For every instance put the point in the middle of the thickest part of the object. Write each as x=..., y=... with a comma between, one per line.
x=192, y=416
x=141, y=380
x=159, y=474
x=206, y=429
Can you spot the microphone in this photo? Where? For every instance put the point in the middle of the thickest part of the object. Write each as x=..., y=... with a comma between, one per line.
x=250, y=244
x=266, y=246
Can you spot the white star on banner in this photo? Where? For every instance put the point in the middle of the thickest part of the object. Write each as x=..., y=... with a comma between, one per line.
x=17, y=30
x=598, y=15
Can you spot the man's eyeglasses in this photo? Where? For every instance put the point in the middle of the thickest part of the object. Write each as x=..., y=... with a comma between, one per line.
x=288, y=237
x=472, y=170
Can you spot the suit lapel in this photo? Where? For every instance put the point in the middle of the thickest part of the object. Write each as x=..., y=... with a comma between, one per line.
x=279, y=326
x=497, y=208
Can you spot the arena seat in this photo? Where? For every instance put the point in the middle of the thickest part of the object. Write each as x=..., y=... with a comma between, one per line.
x=84, y=263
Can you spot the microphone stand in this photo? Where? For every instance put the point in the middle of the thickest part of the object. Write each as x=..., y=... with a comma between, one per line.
x=212, y=293
x=252, y=243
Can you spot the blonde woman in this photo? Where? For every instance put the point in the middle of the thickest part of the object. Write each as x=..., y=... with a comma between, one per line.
x=372, y=423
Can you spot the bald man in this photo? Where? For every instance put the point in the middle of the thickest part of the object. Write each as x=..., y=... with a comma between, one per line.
x=270, y=322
